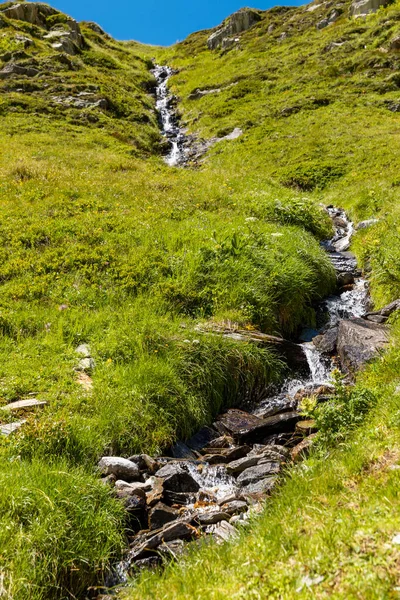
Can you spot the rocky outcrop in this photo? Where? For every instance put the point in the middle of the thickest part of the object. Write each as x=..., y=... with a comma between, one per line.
x=15, y=69
x=237, y=23
x=68, y=39
x=361, y=8
x=382, y=315
x=358, y=342
x=35, y=13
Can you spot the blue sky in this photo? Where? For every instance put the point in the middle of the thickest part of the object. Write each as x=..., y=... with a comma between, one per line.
x=156, y=21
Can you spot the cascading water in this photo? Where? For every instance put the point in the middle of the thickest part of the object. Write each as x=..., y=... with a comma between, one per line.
x=168, y=117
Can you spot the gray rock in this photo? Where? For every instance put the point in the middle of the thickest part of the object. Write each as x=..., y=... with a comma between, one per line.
x=160, y=515
x=181, y=450
x=238, y=466
x=235, y=507
x=23, y=405
x=361, y=8
x=156, y=492
x=122, y=468
x=14, y=69
x=172, y=549
x=262, y=487
x=169, y=533
x=11, y=427
x=346, y=278
x=84, y=351
x=86, y=365
x=367, y=223
x=125, y=489
x=31, y=12
x=222, y=531
x=177, y=478
x=210, y=518
x=384, y=312
x=202, y=438
x=326, y=343
x=258, y=472
x=358, y=342
x=240, y=21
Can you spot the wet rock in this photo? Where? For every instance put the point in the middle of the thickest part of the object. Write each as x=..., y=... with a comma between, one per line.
x=275, y=452
x=224, y=441
x=238, y=22
x=177, y=478
x=358, y=342
x=210, y=518
x=14, y=69
x=326, y=343
x=172, y=549
x=145, y=462
x=261, y=488
x=136, y=509
x=160, y=515
x=235, y=507
x=147, y=564
x=122, y=468
x=156, y=492
x=238, y=466
x=181, y=450
x=203, y=438
x=222, y=531
x=344, y=279
x=274, y=407
x=222, y=456
x=258, y=472
x=282, y=423
x=235, y=422
x=302, y=450
x=232, y=497
x=169, y=533
x=306, y=427
x=179, y=498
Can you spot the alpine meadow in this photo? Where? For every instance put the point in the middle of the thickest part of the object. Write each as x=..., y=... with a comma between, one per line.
x=199, y=307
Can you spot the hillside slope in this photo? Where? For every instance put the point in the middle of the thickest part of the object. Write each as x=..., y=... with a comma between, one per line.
x=105, y=245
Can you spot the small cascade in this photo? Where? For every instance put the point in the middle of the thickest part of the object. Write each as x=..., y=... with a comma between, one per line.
x=168, y=117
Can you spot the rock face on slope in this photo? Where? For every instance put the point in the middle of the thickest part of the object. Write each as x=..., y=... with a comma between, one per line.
x=32, y=12
x=240, y=21
x=365, y=7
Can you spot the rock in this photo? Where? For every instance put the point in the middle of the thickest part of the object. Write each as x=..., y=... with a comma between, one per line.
x=160, y=515
x=345, y=279
x=258, y=472
x=86, y=365
x=27, y=42
x=180, y=450
x=109, y=480
x=358, y=342
x=394, y=45
x=261, y=488
x=229, y=42
x=235, y=507
x=275, y=452
x=11, y=427
x=179, y=498
x=361, y=8
x=177, y=478
x=240, y=21
x=31, y=12
x=125, y=489
x=84, y=351
x=14, y=69
x=306, y=427
x=94, y=27
x=145, y=462
x=23, y=405
x=235, y=421
x=122, y=468
x=368, y=222
x=146, y=564
x=225, y=455
x=249, y=428
x=222, y=531
x=222, y=442
x=326, y=343
x=202, y=438
x=302, y=450
x=169, y=533
x=172, y=549
x=136, y=509
x=210, y=518
x=238, y=466
x=281, y=423
x=380, y=316
x=156, y=492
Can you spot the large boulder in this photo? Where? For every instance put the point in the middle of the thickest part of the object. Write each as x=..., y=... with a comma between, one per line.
x=31, y=12
x=240, y=21
x=358, y=342
x=360, y=8
x=122, y=468
x=177, y=478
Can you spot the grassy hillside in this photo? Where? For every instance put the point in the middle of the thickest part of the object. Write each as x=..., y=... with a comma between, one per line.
x=103, y=244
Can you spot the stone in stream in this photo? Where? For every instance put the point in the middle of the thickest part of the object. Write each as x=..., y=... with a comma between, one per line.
x=172, y=549
x=178, y=530
x=160, y=515
x=23, y=405
x=302, y=450
x=222, y=531
x=358, y=342
x=145, y=462
x=122, y=468
x=177, y=478
x=202, y=438
x=345, y=278
x=261, y=488
x=181, y=450
x=235, y=507
x=224, y=441
x=156, y=492
x=125, y=489
x=326, y=342
x=210, y=518
x=223, y=456
x=136, y=509
x=146, y=564
x=258, y=472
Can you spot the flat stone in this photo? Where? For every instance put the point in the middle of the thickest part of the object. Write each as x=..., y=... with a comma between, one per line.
x=11, y=427
x=238, y=466
x=235, y=507
x=210, y=518
x=172, y=549
x=258, y=472
x=160, y=515
x=22, y=405
x=122, y=468
x=282, y=423
x=261, y=488
x=169, y=533
x=125, y=489
x=222, y=531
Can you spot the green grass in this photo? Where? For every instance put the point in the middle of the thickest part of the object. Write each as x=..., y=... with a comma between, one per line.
x=102, y=243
